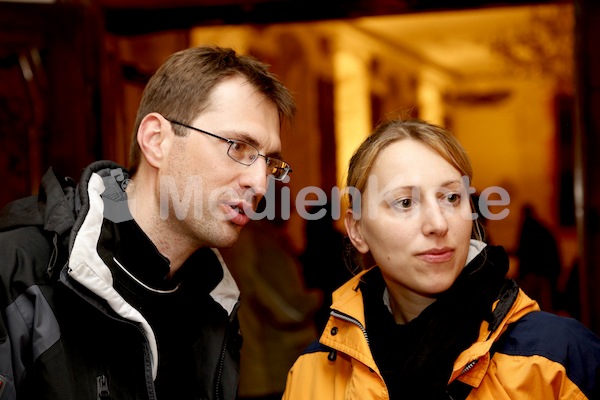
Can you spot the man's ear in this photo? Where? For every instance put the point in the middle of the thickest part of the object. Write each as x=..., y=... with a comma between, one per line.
x=354, y=230
x=154, y=137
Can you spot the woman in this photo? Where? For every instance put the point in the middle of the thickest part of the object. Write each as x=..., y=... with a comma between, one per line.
x=432, y=316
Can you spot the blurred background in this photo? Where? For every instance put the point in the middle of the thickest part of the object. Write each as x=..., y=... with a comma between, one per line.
x=516, y=81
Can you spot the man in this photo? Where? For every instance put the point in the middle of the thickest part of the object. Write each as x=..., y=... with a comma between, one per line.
x=112, y=289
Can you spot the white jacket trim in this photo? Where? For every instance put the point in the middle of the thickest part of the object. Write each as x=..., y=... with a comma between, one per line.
x=87, y=268
x=226, y=293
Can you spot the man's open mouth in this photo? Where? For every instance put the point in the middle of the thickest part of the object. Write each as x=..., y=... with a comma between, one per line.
x=239, y=209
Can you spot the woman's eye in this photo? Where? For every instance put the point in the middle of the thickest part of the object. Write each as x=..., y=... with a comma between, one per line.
x=403, y=203
x=453, y=198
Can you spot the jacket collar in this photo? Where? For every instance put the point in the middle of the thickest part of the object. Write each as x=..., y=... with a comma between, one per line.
x=345, y=331
x=101, y=195
x=472, y=364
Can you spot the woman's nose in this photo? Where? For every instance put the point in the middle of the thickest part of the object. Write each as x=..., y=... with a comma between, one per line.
x=434, y=220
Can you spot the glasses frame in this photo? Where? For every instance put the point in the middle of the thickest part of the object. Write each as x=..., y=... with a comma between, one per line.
x=287, y=168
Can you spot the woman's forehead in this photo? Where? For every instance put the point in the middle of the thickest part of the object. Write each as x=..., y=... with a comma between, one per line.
x=409, y=156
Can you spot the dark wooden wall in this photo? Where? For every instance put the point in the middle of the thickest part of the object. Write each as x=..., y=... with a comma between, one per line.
x=49, y=93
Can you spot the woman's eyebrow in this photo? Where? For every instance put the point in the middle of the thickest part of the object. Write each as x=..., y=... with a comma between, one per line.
x=394, y=190
x=451, y=183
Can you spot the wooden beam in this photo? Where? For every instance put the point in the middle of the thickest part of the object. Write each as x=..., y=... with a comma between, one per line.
x=131, y=17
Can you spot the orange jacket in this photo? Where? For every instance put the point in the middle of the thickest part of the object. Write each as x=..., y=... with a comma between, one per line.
x=541, y=357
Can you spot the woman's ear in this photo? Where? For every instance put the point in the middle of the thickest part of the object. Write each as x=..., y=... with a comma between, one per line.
x=354, y=230
x=154, y=137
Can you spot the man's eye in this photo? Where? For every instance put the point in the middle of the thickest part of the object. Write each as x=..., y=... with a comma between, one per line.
x=238, y=146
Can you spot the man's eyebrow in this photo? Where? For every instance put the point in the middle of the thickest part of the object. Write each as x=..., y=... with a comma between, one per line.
x=246, y=138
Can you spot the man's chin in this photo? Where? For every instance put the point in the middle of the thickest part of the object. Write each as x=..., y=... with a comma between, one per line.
x=231, y=238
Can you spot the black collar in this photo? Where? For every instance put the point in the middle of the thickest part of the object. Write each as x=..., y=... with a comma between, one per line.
x=135, y=261
x=417, y=358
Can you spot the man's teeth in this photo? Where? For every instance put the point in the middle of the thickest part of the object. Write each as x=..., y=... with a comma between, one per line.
x=239, y=210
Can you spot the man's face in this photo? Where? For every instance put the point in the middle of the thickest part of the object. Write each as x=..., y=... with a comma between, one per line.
x=207, y=191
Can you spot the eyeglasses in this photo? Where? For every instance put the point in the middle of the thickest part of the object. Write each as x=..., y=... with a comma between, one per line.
x=246, y=154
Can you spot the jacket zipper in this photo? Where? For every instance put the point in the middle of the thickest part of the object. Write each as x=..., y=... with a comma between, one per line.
x=464, y=388
x=223, y=353
x=352, y=320
x=220, y=369
x=468, y=367
x=102, y=388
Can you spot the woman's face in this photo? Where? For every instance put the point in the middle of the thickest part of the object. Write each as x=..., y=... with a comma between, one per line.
x=416, y=220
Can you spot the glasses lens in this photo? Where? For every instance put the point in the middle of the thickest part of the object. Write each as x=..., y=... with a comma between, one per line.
x=247, y=154
x=242, y=152
x=279, y=169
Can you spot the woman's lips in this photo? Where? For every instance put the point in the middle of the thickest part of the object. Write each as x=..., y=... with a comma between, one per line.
x=436, y=255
